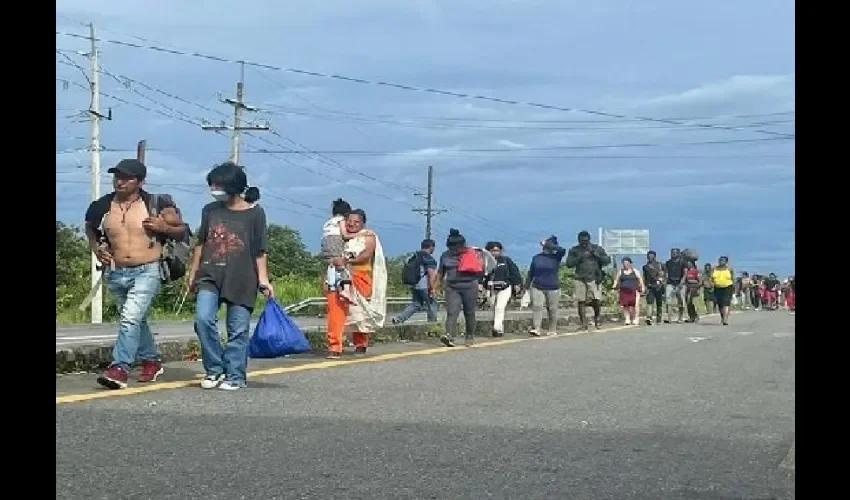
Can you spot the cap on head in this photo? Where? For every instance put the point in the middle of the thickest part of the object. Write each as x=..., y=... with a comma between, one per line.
x=131, y=167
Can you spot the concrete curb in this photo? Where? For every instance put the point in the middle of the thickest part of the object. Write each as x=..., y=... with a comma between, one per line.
x=90, y=358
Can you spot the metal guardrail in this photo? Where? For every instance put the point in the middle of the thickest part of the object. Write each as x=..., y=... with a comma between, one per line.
x=320, y=301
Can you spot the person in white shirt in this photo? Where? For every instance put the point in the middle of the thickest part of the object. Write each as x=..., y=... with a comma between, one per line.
x=334, y=236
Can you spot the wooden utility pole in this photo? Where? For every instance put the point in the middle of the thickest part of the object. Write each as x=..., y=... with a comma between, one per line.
x=429, y=211
x=237, y=127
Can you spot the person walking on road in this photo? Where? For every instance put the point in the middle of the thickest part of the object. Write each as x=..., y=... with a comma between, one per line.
x=675, y=290
x=693, y=283
x=588, y=260
x=723, y=280
x=653, y=277
x=791, y=294
x=229, y=266
x=708, y=289
x=629, y=283
x=125, y=229
x=544, y=285
x=460, y=268
x=501, y=283
x=771, y=292
x=425, y=267
x=366, y=309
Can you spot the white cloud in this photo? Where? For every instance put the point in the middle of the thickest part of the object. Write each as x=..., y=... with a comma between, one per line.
x=741, y=94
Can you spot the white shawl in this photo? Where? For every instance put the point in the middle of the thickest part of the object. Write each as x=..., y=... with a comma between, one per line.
x=364, y=314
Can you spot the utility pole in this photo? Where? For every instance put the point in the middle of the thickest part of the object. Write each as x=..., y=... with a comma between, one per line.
x=429, y=211
x=95, y=116
x=237, y=127
x=141, y=147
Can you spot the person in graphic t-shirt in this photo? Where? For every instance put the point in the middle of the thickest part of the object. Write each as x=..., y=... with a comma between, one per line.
x=229, y=266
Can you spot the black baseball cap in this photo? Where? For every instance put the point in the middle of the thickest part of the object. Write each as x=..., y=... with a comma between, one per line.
x=130, y=166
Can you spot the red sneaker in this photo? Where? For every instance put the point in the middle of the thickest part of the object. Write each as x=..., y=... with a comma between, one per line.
x=150, y=371
x=113, y=378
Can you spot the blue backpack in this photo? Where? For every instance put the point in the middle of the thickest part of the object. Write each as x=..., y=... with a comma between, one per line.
x=276, y=334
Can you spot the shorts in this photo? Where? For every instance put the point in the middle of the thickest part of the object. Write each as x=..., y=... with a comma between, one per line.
x=586, y=292
x=332, y=246
x=769, y=296
x=628, y=297
x=723, y=296
x=708, y=294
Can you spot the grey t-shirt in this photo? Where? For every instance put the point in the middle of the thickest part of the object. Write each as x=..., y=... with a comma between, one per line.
x=232, y=241
x=447, y=271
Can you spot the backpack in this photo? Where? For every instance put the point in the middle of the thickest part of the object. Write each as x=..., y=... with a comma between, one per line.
x=470, y=261
x=173, y=263
x=690, y=254
x=411, y=273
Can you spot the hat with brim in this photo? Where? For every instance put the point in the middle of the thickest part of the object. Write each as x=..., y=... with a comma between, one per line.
x=130, y=167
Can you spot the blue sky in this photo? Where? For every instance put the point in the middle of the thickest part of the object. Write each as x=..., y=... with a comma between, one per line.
x=722, y=62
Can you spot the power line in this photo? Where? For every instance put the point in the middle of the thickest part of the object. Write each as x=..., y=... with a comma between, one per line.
x=524, y=157
x=503, y=120
x=518, y=125
x=399, y=86
x=339, y=165
x=449, y=152
x=500, y=227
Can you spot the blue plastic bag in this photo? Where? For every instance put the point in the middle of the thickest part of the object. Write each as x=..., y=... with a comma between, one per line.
x=276, y=334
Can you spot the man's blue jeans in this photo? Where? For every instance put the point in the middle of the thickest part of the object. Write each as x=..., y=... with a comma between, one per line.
x=134, y=289
x=420, y=300
x=232, y=359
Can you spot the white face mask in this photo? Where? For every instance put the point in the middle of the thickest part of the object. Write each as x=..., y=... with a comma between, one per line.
x=219, y=195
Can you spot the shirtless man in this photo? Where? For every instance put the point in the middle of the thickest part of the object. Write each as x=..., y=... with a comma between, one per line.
x=127, y=242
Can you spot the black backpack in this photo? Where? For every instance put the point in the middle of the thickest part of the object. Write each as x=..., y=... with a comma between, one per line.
x=175, y=252
x=411, y=273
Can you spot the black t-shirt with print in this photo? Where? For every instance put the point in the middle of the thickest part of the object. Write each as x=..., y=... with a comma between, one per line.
x=232, y=240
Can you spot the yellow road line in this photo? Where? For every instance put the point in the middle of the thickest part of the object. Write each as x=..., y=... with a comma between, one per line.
x=321, y=365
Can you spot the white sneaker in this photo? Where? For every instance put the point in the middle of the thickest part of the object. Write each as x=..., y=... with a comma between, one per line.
x=212, y=381
x=552, y=334
x=230, y=386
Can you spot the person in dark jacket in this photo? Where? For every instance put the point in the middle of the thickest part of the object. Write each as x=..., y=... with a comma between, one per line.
x=543, y=283
x=461, y=289
x=653, y=276
x=588, y=260
x=675, y=290
x=501, y=283
x=422, y=293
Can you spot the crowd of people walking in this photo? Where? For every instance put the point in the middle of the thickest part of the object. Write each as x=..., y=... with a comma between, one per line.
x=142, y=241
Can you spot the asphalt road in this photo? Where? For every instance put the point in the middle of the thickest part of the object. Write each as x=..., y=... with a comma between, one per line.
x=70, y=336
x=692, y=412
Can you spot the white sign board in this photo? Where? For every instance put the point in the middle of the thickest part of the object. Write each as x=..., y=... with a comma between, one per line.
x=625, y=241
